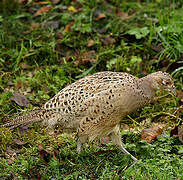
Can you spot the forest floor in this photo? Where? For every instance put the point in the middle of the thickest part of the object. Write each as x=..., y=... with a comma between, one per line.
x=46, y=45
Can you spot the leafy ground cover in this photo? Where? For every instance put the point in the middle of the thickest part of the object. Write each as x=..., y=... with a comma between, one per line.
x=46, y=45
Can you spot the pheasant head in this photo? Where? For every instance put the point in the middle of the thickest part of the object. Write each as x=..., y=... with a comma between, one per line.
x=163, y=81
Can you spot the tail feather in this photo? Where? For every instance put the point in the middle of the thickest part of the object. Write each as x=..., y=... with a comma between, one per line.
x=27, y=118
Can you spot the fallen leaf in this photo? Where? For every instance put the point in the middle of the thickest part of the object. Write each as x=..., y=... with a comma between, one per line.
x=125, y=16
x=87, y=57
x=180, y=108
x=55, y=1
x=100, y=16
x=20, y=99
x=45, y=154
x=34, y=26
x=150, y=134
x=68, y=27
x=25, y=66
x=18, y=142
x=55, y=155
x=90, y=43
x=42, y=10
x=18, y=85
x=122, y=14
x=43, y=2
x=22, y=1
x=72, y=9
x=108, y=40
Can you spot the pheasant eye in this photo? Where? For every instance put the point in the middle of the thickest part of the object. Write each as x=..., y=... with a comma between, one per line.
x=165, y=82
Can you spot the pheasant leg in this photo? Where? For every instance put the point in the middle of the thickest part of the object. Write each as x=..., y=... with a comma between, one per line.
x=116, y=139
x=81, y=141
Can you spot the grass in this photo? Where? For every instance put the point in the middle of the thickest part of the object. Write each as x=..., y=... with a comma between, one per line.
x=41, y=54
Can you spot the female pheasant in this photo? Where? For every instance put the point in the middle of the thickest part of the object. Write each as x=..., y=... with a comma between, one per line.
x=93, y=106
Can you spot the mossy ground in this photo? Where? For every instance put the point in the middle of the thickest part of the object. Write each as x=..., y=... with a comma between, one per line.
x=42, y=51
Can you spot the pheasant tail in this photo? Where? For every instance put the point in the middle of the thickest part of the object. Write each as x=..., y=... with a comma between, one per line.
x=27, y=118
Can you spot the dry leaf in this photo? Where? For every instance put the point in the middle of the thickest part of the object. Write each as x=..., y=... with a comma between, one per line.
x=34, y=26
x=68, y=27
x=150, y=134
x=90, y=43
x=18, y=85
x=20, y=99
x=22, y=1
x=43, y=2
x=122, y=14
x=72, y=9
x=87, y=57
x=55, y=155
x=55, y=1
x=100, y=16
x=180, y=108
x=42, y=10
x=25, y=66
x=108, y=40
x=45, y=154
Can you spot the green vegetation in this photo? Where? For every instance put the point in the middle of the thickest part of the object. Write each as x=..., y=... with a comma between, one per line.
x=46, y=45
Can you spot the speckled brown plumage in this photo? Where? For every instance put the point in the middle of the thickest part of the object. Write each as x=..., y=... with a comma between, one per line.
x=93, y=106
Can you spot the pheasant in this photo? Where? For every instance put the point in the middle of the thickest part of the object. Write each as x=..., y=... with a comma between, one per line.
x=93, y=106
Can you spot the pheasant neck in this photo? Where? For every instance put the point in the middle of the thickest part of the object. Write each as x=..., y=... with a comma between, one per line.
x=145, y=84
